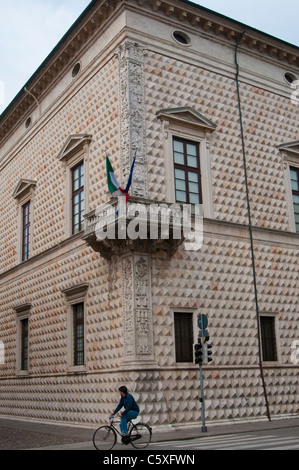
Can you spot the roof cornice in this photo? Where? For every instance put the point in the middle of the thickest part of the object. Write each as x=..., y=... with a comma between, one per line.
x=93, y=18
x=223, y=26
x=99, y=12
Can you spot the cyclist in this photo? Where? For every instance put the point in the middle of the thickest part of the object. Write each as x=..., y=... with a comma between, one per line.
x=131, y=410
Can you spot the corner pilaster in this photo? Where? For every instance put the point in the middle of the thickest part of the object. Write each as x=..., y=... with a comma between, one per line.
x=137, y=310
x=132, y=116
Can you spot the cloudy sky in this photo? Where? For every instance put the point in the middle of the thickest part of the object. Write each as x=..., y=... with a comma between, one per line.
x=29, y=29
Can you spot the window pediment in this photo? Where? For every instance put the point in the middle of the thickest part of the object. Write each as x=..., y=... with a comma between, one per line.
x=290, y=151
x=24, y=186
x=290, y=147
x=22, y=308
x=188, y=117
x=73, y=145
x=76, y=293
x=22, y=311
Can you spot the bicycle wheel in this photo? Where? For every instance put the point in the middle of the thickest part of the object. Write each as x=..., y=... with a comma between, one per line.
x=104, y=438
x=140, y=435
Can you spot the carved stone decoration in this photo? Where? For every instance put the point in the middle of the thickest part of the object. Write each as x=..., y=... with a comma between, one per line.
x=132, y=115
x=128, y=309
x=137, y=309
x=144, y=327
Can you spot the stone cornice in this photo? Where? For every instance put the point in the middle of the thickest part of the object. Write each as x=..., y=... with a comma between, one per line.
x=99, y=12
x=227, y=28
x=20, y=309
x=96, y=15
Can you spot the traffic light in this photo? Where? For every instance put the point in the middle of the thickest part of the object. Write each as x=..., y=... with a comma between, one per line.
x=198, y=353
x=208, y=353
x=202, y=352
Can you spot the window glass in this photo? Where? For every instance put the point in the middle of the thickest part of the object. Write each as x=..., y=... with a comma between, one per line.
x=26, y=231
x=295, y=192
x=24, y=344
x=78, y=323
x=178, y=152
x=187, y=171
x=78, y=198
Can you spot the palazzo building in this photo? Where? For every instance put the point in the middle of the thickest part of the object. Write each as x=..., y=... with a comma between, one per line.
x=209, y=107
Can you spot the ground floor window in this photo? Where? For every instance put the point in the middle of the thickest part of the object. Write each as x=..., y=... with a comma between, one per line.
x=78, y=324
x=76, y=316
x=268, y=337
x=183, y=329
x=24, y=344
x=22, y=338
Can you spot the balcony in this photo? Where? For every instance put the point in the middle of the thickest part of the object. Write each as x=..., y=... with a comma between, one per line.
x=117, y=228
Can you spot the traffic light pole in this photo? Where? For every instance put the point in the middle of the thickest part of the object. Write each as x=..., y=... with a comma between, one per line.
x=202, y=353
x=202, y=400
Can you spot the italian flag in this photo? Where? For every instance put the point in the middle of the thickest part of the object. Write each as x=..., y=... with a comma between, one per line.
x=113, y=184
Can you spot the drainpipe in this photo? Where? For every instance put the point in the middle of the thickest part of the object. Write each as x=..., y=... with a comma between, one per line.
x=250, y=227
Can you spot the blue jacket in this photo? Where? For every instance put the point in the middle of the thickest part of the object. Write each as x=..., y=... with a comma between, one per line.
x=128, y=403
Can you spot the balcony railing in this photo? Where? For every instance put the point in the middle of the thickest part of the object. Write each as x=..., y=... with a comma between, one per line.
x=139, y=225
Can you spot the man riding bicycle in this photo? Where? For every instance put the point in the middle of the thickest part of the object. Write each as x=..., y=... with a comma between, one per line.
x=131, y=410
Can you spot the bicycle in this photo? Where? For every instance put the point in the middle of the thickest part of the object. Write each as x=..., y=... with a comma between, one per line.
x=105, y=437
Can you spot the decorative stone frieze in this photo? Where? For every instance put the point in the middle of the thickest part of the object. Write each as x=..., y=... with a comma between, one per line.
x=137, y=309
x=132, y=115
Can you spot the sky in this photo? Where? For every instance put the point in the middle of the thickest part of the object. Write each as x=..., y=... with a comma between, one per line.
x=30, y=29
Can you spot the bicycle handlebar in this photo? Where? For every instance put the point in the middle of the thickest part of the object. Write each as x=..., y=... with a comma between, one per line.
x=113, y=417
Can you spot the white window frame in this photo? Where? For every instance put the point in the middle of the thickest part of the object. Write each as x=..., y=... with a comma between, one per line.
x=24, y=193
x=75, y=150
x=80, y=158
x=198, y=131
x=290, y=155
